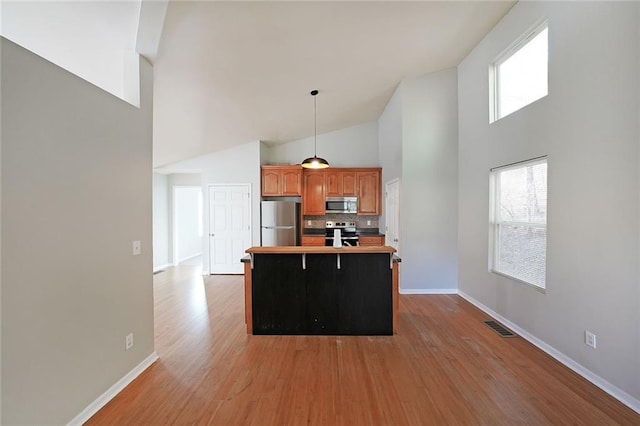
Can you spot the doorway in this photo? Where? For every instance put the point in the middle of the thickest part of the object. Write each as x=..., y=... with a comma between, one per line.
x=229, y=227
x=187, y=225
x=392, y=214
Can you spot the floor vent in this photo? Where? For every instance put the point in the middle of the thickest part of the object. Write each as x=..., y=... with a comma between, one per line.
x=500, y=329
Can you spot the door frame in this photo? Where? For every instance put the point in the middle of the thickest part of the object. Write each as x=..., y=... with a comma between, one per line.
x=207, y=231
x=387, y=184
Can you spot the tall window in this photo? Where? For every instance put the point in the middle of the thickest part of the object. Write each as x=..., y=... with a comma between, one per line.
x=520, y=75
x=519, y=221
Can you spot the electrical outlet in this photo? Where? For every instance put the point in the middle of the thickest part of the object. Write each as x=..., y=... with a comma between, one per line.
x=136, y=248
x=590, y=339
x=128, y=342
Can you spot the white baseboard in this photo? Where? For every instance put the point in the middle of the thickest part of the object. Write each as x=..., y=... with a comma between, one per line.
x=428, y=291
x=609, y=388
x=103, y=399
x=184, y=259
x=161, y=267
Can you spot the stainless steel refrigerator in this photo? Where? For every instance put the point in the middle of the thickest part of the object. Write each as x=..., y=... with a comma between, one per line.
x=280, y=223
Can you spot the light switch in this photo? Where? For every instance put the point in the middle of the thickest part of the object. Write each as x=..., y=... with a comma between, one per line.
x=136, y=248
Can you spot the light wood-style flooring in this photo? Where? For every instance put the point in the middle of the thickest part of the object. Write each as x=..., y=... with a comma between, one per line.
x=443, y=367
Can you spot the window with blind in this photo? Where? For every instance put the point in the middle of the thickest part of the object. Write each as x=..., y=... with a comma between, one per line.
x=519, y=221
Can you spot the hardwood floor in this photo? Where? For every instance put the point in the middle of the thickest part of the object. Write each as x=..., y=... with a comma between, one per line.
x=444, y=367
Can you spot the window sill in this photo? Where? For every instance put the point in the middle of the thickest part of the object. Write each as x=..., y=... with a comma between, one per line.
x=542, y=290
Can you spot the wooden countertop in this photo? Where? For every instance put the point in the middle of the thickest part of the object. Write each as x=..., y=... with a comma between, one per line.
x=319, y=250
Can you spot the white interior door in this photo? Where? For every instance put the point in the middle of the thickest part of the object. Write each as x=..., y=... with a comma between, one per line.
x=392, y=214
x=229, y=227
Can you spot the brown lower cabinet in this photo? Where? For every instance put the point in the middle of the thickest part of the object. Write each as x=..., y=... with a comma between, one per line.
x=315, y=240
x=371, y=240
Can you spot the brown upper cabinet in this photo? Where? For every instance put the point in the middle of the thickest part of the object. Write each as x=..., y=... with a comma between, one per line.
x=369, y=188
x=340, y=183
x=281, y=180
x=314, y=193
x=364, y=183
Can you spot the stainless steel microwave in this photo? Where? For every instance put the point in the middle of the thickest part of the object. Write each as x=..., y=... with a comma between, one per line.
x=341, y=205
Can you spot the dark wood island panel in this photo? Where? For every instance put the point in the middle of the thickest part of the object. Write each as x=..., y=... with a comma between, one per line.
x=321, y=290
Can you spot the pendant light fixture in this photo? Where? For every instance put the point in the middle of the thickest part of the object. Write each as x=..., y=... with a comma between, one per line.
x=315, y=162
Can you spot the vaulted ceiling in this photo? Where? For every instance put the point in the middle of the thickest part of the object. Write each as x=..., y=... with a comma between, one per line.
x=232, y=72
x=229, y=73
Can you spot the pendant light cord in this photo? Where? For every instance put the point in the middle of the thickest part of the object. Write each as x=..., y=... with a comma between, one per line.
x=315, y=123
x=315, y=162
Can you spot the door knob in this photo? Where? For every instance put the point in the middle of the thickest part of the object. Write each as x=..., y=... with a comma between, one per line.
x=211, y=235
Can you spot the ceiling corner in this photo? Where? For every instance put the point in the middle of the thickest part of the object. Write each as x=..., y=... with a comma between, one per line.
x=150, y=23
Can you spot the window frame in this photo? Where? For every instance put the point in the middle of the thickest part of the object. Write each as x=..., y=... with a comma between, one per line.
x=494, y=222
x=505, y=55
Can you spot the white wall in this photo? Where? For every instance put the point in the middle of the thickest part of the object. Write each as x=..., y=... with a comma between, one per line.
x=94, y=40
x=76, y=191
x=418, y=139
x=588, y=127
x=429, y=192
x=355, y=146
x=1, y=399
x=185, y=179
x=161, y=248
x=236, y=165
x=390, y=138
x=390, y=148
x=638, y=260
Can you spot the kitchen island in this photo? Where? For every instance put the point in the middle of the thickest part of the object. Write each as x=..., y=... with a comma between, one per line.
x=321, y=290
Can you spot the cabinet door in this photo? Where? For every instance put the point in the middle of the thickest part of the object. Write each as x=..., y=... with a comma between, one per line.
x=333, y=183
x=369, y=193
x=349, y=184
x=365, y=296
x=271, y=181
x=313, y=193
x=279, y=299
x=371, y=240
x=313, y=241
x=292, y=181
x=322, y=294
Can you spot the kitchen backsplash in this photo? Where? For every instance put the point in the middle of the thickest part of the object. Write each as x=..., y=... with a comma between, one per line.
x=318, y=222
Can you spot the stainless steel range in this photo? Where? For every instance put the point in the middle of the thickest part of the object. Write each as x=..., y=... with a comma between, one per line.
x=348, y=234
